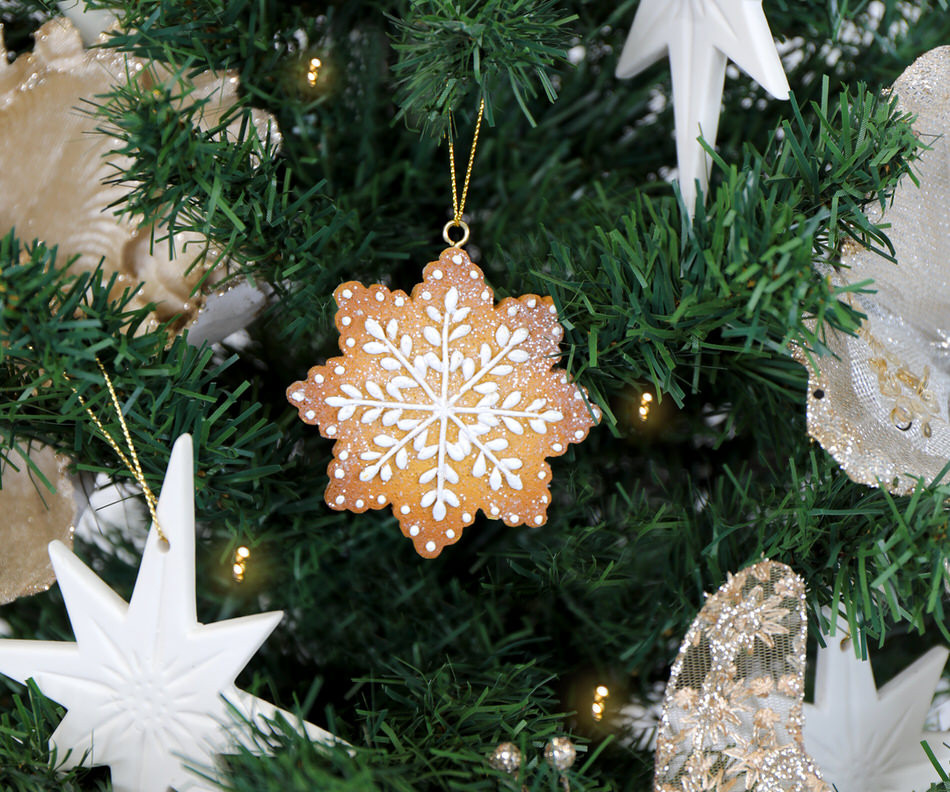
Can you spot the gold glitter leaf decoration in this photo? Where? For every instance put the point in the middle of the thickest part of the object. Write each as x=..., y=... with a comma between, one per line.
x=879, y=403
x=444, y=403
x=732, y=715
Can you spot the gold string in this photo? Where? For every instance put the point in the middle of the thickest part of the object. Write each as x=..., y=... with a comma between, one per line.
x=458, y=206
x=133, y=465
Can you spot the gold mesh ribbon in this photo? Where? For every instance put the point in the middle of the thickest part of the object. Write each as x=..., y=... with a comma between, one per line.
x=732, y=714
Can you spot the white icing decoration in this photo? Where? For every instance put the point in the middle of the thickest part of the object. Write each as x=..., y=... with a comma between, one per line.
x=422, y=408
x=538, y=520
x=297, y=395
x=430, y=546
x=360, y=503
x=340, y=500
x=338, y=370
x=339, y=473
x=310, y=415
x=347, y=294
x=318, y=378
x=346, y=321
x=457, y=258
x=380, y=297
x=449, y=533
x=414, y=531
x=437, y=274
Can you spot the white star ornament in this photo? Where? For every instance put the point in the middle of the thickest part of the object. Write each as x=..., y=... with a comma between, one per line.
x=868, y=740
x=146, y=685
x=700, y=36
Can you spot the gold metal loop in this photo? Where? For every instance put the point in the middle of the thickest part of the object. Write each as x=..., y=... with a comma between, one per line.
x=455, y=224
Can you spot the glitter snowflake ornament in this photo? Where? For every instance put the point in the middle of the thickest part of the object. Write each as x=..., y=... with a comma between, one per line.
x=732, y=715
x=444, y=403
x=149, y=690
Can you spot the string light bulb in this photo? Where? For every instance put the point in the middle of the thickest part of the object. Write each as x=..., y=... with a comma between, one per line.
x=241, y=555
x=599, y=707
x=313, y=71
x=645, y=401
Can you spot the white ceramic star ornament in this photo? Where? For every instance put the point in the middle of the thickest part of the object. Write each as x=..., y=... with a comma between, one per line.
x=866, y=739
x=700, y=36
x=145, y=683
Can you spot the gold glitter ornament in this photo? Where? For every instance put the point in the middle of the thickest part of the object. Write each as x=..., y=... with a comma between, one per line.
x=54, y=166
x=32, y=518
x=506, y=757
x=879, y=402
x=732, y=714
x=560, y=753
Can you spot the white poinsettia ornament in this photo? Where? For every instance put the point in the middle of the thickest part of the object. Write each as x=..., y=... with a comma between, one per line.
x=700, y=37
x=878, y=403
x=148, y=689
x=444, y=403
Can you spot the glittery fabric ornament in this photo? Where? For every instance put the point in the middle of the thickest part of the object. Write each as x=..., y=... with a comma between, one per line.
x=732, y=715
x=54, y=166
x=879, y=403
x=32, y=518
x=444, y=403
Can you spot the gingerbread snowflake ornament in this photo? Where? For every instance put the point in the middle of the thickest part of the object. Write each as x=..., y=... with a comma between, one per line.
x=444, y=403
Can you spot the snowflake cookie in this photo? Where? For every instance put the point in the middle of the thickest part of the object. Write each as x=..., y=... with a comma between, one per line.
x=444, y=403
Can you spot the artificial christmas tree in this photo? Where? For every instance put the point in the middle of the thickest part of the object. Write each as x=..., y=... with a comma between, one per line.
x=424, y=667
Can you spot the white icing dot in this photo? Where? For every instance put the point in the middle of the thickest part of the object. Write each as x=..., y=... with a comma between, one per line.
x=544, y=499
x=473, y=274
x=350, y=342
x=339, y=473
x=399, y=302
x=338, y=370
x=514, y=517
x=449, y=533
x=318, y=378
x=414, y=531
x=466, y=517
x=486, y=295
x=360, y=503
x=426, y=295
x=310, y=415
x=380, y=296
x=339, y=500
x=541, y=474
x=430, y=546
x=513, y=310
x=538, y=520
x=557, y=447
x=297, y=395
x=344, y=455
x=457, y=258
x=578, y=434
x=552, y=309
x=578, y=396
x=347, y=294
x=532, y=302
x=495, y=511
x=346, y=321
x=331, y=430
x=437, y=274
x=380, y=499
x=404, y=509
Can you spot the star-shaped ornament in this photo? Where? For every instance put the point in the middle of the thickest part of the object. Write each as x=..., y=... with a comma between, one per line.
x=700, y=36
x=444, y=403
x=148, y=689
x=866, y=739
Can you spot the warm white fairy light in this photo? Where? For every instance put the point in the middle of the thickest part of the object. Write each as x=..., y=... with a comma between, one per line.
x=240, y=563
x=313, y=73
x=645, y=401
x=601, y=692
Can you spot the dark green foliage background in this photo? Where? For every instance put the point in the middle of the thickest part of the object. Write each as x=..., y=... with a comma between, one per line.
x=424, y=666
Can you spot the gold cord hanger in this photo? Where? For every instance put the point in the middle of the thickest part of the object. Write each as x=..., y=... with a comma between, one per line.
x=458, y=205
x=133, y=465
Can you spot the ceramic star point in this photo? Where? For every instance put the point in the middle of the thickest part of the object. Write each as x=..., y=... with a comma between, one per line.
x=700, y=36
x=147, y=688
x=866, y=739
